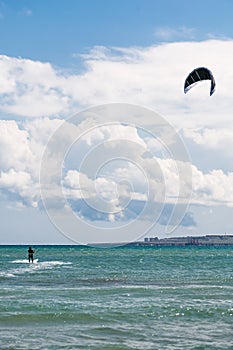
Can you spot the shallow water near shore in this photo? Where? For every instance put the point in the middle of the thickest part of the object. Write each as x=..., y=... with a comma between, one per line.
x=117, y=298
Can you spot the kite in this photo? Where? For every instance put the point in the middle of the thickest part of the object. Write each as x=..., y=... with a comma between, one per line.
x=197, y=75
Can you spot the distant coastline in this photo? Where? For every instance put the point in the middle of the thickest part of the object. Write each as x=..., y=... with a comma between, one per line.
x=207, y=240
x=182, y=241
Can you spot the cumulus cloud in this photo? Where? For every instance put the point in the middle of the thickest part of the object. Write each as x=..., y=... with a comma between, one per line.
x=22, y=145
x=220, y=139
x=151, y=76
x=30, y=88
x=17, y=180
x=213, y=188
x=125, y=194
x=120, y=191
x=210, y=147
x=19, y=187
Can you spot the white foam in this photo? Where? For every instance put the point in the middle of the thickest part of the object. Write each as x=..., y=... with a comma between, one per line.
x=24, y=261
x=26, y=267
x=6, y=274
x=51, y=263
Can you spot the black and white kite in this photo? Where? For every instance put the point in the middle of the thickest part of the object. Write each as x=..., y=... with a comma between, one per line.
x=197, y=75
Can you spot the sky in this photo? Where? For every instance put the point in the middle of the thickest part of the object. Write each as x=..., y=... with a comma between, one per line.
x=98, y=142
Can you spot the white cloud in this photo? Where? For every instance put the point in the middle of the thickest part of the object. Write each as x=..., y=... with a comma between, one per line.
x=116, y=132
x=15, y=150
x=22, y=145
x=17, y=180
x=19, y=186
x=214, y=188
x=30, y=88
x=215, y=139
x=152, y=77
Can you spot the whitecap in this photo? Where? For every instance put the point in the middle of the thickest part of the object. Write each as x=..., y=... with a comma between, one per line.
x=53, y=263
x=23, y=261
x=6, y=274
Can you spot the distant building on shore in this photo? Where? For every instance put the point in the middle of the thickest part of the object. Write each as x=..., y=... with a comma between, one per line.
x=208, y=240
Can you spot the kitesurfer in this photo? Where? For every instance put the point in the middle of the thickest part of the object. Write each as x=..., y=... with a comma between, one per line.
x=30, y=254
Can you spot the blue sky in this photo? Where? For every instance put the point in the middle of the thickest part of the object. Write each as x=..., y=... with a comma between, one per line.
x=59, y=58
x=55, y=30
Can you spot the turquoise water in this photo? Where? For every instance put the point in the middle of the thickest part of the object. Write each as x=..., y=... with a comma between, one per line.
x=118, y=298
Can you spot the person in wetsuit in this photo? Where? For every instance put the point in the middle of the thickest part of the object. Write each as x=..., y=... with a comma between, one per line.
x=30, y=254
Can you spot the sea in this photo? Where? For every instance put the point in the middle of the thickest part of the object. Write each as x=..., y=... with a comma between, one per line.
x=120, y=298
